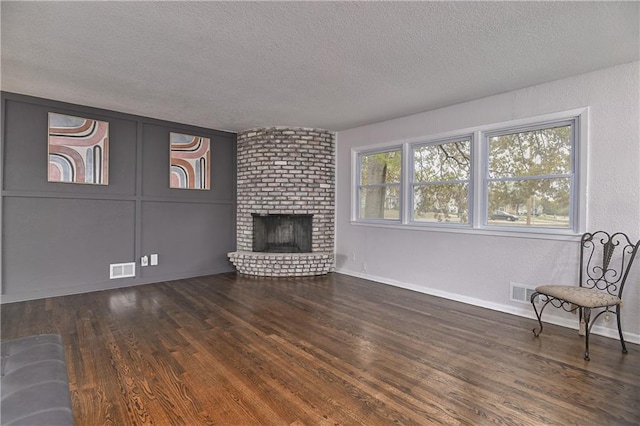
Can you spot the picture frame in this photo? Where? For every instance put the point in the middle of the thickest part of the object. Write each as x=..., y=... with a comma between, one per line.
x=190, y=161
x=78, y=150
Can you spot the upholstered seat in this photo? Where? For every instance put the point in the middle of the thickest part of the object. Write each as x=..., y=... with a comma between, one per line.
x=587, y=297
x=605, y=262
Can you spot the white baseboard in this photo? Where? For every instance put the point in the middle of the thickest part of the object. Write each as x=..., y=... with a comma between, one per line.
x=521, y=312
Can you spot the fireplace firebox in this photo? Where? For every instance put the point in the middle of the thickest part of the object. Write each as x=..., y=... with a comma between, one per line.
x=282, y=233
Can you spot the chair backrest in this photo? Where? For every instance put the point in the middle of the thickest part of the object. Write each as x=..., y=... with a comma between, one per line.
x=606, y=260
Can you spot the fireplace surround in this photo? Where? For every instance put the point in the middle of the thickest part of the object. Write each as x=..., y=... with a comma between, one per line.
x=285, y=174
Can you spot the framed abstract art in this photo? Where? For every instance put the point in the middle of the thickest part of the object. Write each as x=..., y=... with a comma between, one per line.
x=190, y=162
x=78, y=150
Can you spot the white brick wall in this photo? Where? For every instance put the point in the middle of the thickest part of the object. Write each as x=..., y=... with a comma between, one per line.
x=283, y=170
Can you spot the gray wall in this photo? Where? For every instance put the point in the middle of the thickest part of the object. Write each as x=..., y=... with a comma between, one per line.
x=60, y=238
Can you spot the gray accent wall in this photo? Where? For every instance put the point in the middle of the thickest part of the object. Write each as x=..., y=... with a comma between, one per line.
x=59, y=238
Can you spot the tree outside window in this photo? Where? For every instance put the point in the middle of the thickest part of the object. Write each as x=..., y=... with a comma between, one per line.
x=441, y=176
x=379, y=188
x=530, y=175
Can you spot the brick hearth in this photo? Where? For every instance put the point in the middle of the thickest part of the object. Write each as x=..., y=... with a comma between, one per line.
x=284, y=170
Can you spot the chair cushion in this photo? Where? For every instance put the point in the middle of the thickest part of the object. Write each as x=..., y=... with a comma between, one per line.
x=587, y=297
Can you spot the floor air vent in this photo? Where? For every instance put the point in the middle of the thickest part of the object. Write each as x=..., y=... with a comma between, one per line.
x=122, y=270
x=521, y=293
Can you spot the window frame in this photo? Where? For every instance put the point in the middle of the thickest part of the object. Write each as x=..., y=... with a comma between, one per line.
x=573, y=216
x=478, y=189
x=412, y=184
x=359, y=186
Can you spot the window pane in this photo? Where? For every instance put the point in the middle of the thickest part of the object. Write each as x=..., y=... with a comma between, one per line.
x=536, y=202
x=382, y=202
x=380, y=168
x=447, y=161
x=441, y=203
x=532, y=153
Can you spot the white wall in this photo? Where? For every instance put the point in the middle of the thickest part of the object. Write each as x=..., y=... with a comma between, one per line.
x=477, y=268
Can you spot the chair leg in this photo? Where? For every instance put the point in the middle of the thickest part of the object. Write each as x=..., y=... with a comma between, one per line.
x=582, y=325
x=587, y=318
x=624, y=346
x=538, y=314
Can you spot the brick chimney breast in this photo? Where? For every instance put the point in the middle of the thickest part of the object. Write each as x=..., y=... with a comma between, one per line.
x=286, y=171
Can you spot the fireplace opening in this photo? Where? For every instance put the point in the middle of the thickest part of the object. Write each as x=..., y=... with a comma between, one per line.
x=282, y=233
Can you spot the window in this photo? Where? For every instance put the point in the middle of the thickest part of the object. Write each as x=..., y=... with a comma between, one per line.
x=441, y=173
x=379, y=185
x=530, y=176
x=524, y=176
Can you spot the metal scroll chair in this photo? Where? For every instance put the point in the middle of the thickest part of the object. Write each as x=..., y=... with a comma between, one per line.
x=605, y=261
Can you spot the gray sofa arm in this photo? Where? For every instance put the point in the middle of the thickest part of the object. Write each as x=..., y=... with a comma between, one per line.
x=34, y=383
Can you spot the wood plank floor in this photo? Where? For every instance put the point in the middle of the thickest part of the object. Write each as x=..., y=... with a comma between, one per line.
x=332, y=350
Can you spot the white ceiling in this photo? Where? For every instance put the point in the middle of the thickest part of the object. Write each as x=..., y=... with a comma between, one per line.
x=333, y=65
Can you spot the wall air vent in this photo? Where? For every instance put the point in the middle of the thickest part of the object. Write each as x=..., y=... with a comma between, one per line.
x=521, y=293
x=122, y=270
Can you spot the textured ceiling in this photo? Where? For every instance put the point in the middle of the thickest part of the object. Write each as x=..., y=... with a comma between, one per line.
x=333, y=65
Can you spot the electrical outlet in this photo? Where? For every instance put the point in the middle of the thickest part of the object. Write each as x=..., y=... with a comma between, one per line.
x=144, y=260
x=364, y=267
x=353, y=257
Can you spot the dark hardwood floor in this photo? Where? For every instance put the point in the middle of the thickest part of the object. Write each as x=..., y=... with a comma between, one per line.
x=232, y=350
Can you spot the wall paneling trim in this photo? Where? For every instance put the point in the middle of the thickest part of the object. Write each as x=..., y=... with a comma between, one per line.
x=60, y=238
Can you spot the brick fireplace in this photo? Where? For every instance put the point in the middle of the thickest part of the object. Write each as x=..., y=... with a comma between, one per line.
x=285, y=218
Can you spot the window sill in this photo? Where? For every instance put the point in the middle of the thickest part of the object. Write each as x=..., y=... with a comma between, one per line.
x=538, y=234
